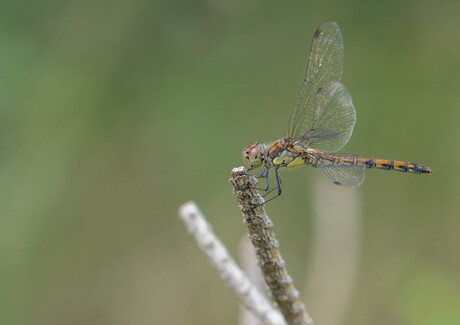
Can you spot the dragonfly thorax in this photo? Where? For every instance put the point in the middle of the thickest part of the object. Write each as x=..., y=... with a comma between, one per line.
x=254, y=154
x=321, y=123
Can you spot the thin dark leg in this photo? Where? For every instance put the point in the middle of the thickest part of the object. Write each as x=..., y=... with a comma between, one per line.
x=268, y=192
x=264, y=174
x=267, y=181
x=278, y=186
x=278, y=183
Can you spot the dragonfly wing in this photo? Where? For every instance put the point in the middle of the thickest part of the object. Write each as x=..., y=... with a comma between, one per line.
x=332, y=120
x=345, y=176
x=325, y=65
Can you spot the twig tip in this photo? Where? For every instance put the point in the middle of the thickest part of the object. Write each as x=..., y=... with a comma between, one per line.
x=237, y=171
x=187, y=209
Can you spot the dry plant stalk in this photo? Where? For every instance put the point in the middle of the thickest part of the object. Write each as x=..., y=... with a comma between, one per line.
x=226, y=267
x=262, y=236
x=248, y=261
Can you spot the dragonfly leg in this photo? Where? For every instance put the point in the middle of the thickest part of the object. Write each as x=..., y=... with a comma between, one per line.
x=278, y=182
x=267, y=180
x=260, y=175
x=268, y=192
x=264, y=174
x=278, y=186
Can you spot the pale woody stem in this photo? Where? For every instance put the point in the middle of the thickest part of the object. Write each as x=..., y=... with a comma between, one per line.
x=226, y=266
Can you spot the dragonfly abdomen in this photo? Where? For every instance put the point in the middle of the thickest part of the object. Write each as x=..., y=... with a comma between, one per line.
x=399, y=165
x=322, y=159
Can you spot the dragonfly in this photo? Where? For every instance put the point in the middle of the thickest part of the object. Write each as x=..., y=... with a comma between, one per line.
x=321, y=123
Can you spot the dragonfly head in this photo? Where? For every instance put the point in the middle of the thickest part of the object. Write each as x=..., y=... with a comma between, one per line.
x=253, y=155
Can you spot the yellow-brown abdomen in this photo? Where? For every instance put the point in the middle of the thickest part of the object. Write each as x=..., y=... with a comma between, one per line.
x=399, y=165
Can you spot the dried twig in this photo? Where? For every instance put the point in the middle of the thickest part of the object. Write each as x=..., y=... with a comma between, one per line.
x=225, y=265
x=248, y=261
x=261, y=233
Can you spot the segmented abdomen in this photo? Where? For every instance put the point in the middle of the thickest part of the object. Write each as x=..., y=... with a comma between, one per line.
x=322, y=159
x=399, y=165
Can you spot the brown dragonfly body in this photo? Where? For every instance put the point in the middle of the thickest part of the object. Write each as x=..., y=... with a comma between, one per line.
x=321, y=123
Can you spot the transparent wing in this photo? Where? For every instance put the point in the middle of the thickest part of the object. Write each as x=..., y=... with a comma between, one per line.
x=325, y=65
x=323, y=116
x=345, y=176
x=332, y=119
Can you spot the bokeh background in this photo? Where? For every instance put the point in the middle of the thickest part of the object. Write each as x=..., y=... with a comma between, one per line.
x=114, y=113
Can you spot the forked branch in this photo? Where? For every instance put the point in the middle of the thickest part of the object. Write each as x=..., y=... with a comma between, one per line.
x=226, y=266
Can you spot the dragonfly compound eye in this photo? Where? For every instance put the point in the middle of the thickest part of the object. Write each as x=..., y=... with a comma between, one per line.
x=252, y=155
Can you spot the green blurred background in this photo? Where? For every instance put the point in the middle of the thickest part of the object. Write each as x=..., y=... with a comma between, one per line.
x=114, y=113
